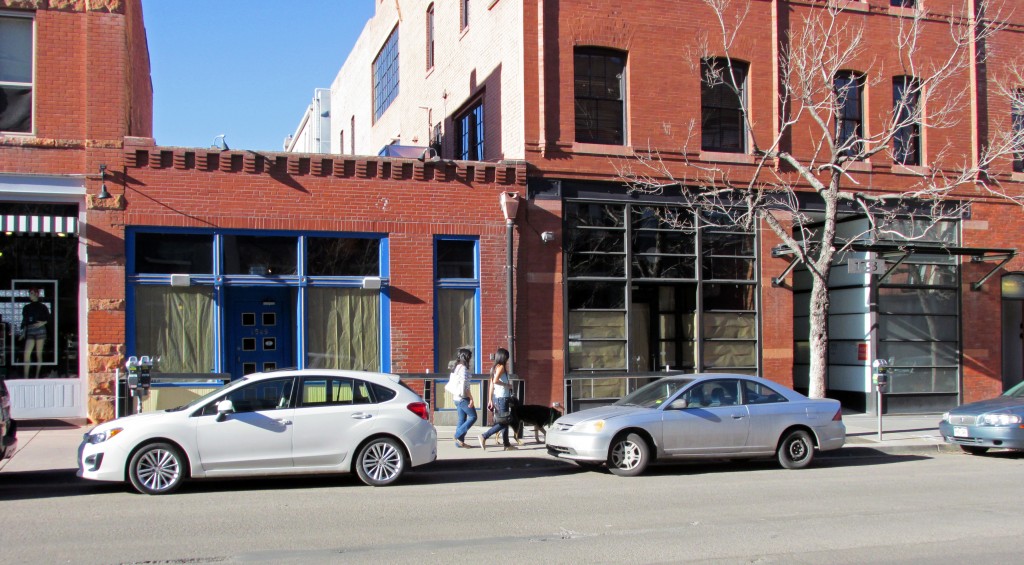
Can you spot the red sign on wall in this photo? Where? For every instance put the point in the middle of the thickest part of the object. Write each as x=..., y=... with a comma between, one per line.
x=862, y=352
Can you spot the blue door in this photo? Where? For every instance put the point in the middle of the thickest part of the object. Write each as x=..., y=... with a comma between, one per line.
x=259, y=330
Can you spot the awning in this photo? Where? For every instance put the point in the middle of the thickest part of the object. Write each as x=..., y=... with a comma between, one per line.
x=898, y=252
x=39, y=225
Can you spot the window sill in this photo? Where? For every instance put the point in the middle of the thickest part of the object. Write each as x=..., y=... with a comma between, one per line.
x=910, y=170
x=1017, y=177
x=492, y=4
x=723, y=157
x=903, y=12
x=851, y=5
x=859, y=167
x=601, y=149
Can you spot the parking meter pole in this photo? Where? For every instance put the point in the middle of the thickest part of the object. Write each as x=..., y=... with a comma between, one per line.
x=879, y=410
x=880, y=378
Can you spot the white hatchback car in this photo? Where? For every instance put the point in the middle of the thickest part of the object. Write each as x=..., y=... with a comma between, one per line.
x=278, y=423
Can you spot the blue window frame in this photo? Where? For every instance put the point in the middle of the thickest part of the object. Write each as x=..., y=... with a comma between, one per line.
x=185, y=287
x=469, y=133
x=456, y=299
x=385, y=76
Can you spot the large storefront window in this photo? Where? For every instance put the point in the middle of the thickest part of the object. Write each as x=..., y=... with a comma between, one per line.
x=238, y=302
x=175, y=326
x=39, y=290
x=688, y=300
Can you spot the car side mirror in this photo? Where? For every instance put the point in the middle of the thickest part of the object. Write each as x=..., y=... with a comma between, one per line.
x=679, y=404
x=224, y=407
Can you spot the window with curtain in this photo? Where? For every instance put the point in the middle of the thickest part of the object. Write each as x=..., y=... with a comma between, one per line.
x=1017, y=118
x=343, y=329
x=174, y=326
x=723, y=91
x=457, y=282
x=599, y=93
x=16, y=60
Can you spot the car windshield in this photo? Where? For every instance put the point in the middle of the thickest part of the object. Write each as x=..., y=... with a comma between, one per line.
x=1015, y=392
x=210, y=394
x=654, y=394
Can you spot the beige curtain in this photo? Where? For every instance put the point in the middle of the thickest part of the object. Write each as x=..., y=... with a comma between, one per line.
x=343, y=329
x=456, y=324
x=175, y=327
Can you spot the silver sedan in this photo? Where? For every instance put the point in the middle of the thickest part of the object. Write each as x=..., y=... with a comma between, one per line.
x=700, y=416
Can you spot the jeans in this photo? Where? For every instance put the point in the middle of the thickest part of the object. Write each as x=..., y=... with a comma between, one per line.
x=500, y=404
x=467, y=417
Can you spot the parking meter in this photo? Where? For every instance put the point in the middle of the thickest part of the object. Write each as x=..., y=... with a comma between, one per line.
x=139, y=378
x=881, y=375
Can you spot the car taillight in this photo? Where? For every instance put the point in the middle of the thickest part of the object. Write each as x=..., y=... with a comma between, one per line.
x=420, y=409
x=839, y=416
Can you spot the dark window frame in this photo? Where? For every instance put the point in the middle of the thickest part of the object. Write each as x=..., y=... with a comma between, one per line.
x=717, y=93
x=430, y=36
x=18, y=95
x=600, y=103
x=1017, y=120
x=470, y=132
x=848, y=88
x=463, y=14
x=906, y=141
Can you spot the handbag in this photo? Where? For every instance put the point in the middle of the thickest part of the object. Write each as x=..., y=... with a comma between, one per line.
x=456, y=384
x=503, y=417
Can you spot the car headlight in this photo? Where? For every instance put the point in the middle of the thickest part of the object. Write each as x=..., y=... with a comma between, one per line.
x=591, y=427
x=100, y=437
x=1001, y=419
x=945, y=417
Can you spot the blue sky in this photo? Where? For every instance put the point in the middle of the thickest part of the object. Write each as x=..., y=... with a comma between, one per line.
x=246, y=69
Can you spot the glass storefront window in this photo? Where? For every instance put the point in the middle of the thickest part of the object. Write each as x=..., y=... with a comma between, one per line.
x=174, y=326
x=456, y=324
x=174, y=253
x=339, y=257
x=260, y=255
x=343, y=329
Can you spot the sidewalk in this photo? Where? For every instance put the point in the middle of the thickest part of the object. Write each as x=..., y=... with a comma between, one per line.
x=49, y=445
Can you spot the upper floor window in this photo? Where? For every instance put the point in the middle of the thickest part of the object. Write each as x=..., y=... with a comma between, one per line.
x=1017, y=117
x=723, y=94
x=385, y=75
x=903, y=3
x=16, y=74
x=906, y=92
x=849, y=92
x=469, y=133
x=463, y=14
x=430, y=37
x=600, y=96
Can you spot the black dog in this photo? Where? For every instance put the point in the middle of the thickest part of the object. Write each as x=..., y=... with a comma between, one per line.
x=539, y=417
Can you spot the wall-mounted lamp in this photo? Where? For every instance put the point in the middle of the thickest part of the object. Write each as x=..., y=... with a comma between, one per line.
x=547, y=236
x=103, y=195
x=429, y=155
x=372, y=283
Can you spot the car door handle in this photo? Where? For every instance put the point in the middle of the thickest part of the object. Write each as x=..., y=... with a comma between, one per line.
x=361, y=416
x=737, y=416
x=285, y=422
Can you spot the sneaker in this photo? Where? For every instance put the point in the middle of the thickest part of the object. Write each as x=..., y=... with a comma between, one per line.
x=510, y=448
x=459, y=444
x=480, y=439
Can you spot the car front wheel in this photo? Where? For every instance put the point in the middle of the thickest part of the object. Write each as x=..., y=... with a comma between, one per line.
x=797, y=450
x=628, y=456
x=380, y=462
x=157, y=468
x=974, y=449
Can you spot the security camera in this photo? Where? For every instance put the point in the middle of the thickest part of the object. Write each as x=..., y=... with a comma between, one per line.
x=547, y=237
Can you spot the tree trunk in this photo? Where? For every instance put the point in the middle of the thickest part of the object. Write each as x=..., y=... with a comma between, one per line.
x=818, y=336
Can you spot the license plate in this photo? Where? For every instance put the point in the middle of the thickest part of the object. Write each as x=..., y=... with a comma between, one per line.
x=959, y=431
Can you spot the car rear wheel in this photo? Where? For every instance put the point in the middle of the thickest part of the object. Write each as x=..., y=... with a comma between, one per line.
x=974, y=449
x=157, y=468
x=380, y=462
x=796, y=450
x=628, y=456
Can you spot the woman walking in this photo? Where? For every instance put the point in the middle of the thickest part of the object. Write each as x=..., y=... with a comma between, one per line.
x=464, y=401
x=501, y=390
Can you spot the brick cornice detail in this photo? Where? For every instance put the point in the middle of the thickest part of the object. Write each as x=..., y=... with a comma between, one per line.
x=507, y=173
x=105, y=6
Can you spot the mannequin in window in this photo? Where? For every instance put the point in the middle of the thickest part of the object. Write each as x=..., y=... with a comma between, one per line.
x=35, y=319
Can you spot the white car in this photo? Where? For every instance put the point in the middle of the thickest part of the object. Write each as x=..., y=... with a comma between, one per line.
x=277, y=423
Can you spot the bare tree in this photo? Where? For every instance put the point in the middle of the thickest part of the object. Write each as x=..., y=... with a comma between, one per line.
x=815, y=89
